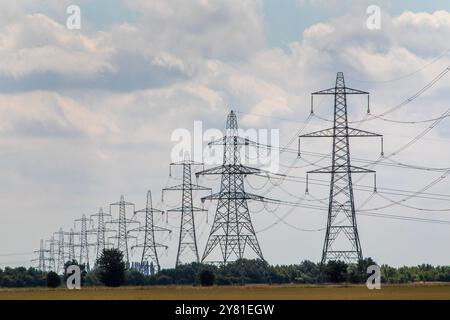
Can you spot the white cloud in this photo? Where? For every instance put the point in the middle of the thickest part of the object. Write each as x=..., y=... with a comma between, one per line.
x=211, y=29
x=37, y=44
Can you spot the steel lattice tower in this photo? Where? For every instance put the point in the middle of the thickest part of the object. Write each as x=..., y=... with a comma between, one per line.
x=61, y=251
x=71, y=245
x=84, y=244
x=188, y=238
x=149, y=247
x=101, y=232
x=41, y=256
x=232, y=229
x=341, y=238
x=122, y=234
x=51, y=249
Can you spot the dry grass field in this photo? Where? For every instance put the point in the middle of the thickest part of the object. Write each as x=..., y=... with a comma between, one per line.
x=281, y=292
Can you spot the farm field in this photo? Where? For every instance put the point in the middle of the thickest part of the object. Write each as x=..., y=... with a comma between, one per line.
x=281, y=292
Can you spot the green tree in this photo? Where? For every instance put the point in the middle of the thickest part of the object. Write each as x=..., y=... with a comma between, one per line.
x=336, y=271
x=206, y=278
x=163, y=280
x=92, y=278
x=135, y=278
x=111, y=268
x=53, y=280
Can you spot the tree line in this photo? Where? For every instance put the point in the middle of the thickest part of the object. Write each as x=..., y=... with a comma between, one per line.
x=111, y=271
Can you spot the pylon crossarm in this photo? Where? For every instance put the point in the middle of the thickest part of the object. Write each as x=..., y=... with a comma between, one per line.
x=121, y=203
x=210, y=171
x=138, y=229
x=325, y=91
x=236, y=140
x=198, y=187
x=161, y=229
x=354, y=91
x=230, y=169
x=342, y=90
x=176, y=187
x=352, y=132
x=320, y=133
x=233, y=195
x=181, y=209
x=346, y=169
x=125, y=221
x=156, y=245
x=148, y=210
x=188, y=162
x=143, y=228
x=182, y=187
x=340, y=132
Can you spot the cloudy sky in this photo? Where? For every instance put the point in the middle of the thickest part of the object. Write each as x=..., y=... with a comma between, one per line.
x=87, y=115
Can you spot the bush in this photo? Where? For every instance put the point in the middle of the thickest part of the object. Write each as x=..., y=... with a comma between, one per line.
x=163, y=280
x=206, y=278
x=223, y=281
x=111, y=268
x=92, y=278
x=135, y=278
x=53, y=280
x=336, y=271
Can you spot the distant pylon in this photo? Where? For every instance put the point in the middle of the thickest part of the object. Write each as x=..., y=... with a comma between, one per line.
x=61, y=256
x=42, y=259
x=84, y=243
x=51, y=252
x=341, y=237
x=71, y=245
x=101, y=232
x=122, y=230
x=232, y=229
x=188, y=238
x=149, y=247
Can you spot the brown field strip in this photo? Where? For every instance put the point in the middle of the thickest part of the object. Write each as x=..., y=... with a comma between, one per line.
x=281, y=292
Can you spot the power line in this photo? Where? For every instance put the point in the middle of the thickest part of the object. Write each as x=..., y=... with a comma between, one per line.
x=364, y=188
x=364, y=213
x=398, y=106
x=406, y=75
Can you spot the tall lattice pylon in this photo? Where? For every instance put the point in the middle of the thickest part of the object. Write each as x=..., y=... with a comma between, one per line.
x=341, y=237
x=84, y=243
x=150, y=246
x=188, y=240
x=101, y=232
x=232, y=229
x=122, y=230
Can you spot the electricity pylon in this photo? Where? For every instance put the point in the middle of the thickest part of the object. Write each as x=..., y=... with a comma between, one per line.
x=122, y=230
x=61, y=260
x=188, y=238
x=232, y=229
x=101, y=232
x=51, y=252
x=71, y=245
x=341, y=237
x=41, y=256
x=149, y=246
x=84, y=243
